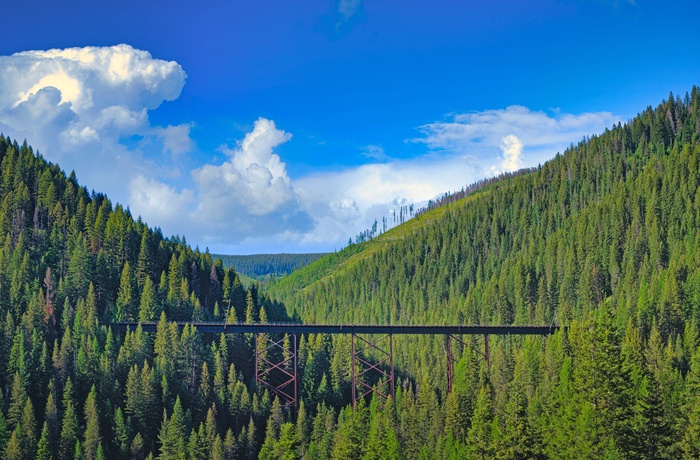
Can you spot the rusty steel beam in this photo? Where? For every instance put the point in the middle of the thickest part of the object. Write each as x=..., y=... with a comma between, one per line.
x=272, y=373
x=361, y=367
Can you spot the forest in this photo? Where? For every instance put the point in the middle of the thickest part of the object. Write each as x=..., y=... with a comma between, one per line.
x=603, y=240
x=264, y=266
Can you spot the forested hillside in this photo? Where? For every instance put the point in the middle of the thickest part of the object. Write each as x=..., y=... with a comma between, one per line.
x=70, y=263
x=603, y=239
x=262, y=266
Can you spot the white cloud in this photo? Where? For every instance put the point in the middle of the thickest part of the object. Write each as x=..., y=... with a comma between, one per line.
x=245, y=199
x=541, y=134
x=512, y=150
x=77, y=105
x=176, y=139
x=162, y=203
x=346, y=202
x=87, y=109
x=254, y=179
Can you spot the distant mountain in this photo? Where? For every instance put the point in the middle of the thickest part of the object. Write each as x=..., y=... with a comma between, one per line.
x=263, y=266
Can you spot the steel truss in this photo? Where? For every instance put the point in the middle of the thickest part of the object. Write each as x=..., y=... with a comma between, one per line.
x=276, y=367
x=363, y=369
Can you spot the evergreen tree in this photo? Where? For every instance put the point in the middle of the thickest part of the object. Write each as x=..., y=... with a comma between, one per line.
x=69, y=426
x=173, y=434
x=479, y=437
x=44, y=451
x=14, y=450
x=92, y=426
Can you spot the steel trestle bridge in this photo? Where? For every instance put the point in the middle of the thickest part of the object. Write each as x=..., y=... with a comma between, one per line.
x=276, y=357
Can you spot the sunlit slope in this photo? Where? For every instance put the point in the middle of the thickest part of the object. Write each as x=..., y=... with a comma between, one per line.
x=615, y=218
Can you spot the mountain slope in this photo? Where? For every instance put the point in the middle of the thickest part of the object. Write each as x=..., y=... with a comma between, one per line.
x=71, y=263
x=609, y=216
x=605, y=239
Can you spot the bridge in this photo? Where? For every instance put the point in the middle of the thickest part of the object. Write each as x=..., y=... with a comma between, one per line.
x=276, y=358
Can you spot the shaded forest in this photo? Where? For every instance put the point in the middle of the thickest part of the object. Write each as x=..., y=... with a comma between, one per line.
x=263, y=266
x=603, y=239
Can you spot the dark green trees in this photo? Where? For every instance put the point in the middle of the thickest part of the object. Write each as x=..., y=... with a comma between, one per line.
x=602, y=239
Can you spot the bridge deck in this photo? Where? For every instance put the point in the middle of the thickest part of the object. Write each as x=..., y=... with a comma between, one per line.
x=296, y=328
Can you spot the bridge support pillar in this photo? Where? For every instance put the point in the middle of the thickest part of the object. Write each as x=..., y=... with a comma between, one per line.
x=484, y=355
x=372, y=377
x=276, y=367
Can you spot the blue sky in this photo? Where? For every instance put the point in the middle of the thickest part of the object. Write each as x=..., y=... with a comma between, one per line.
x=290, y=126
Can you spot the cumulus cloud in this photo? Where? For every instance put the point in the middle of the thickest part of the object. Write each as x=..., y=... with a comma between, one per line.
x=161, y=202
x=343, y=203
x=77, y=105
x=176, y=139
x=88, y=109
x=251, y=193
x=512, y=150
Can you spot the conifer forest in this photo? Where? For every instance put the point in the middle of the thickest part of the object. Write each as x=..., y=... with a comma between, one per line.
x=602, y=241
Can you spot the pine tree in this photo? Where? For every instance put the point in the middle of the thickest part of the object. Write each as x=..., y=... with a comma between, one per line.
x=148, y=305
x=230, y=444
x=14, y=450
x=121, y=434
x=479, y=439
x=69, y=426
x=303, y=427
x=690, y=442
x=288, y=443
x=18, y=398
x=44, y=451
x=92, y=426
x=197, y=445
x=655, y=432
x=173, y=434
x=4, y=432
x=29, y=441
x=251, y=445
x=217, y=449
x=126, y=298
x=138, y=448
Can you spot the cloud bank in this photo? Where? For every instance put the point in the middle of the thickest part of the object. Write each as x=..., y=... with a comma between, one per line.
x=87, y=109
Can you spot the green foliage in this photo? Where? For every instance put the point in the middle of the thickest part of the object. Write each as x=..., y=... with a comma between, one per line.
x=262, y=266
x=603, y=239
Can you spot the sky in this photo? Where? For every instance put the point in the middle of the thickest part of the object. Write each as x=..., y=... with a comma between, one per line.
x=278, y=126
